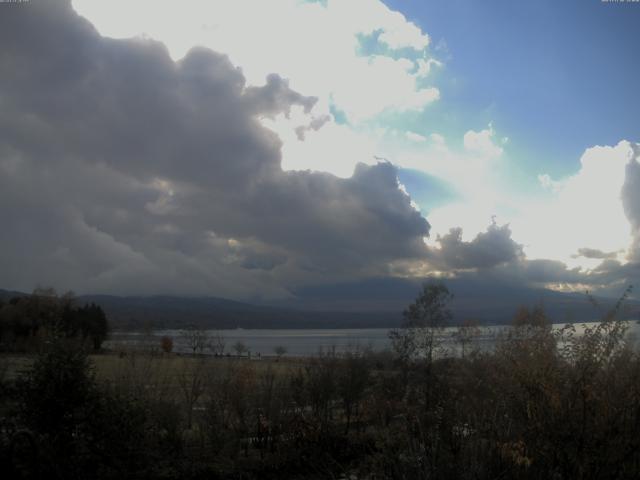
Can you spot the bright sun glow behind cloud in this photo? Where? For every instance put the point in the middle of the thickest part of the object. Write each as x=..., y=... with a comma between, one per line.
x=582, y=211
x=323, y=60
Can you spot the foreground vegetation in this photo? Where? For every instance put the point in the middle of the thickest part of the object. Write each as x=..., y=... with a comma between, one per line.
x=543, y=404
x=29, y=320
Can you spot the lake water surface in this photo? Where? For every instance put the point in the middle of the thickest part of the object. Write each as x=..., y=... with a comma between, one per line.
x=304, y=342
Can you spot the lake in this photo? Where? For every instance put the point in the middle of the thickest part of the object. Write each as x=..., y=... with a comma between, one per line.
x=303, y=342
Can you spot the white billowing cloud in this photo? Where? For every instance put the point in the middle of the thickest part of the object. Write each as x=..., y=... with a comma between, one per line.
x=335, y=148
x=380, y=83
x=425, y=66
x=398, y=33
x=465, y=168
x=470, y=216
x=482, y=143
x=631, y=200
x=583, y=211
x=472, y=171
x=569, y=221
x=415, y=137
x=314, y=45
x=437, y=139
x=547, y=182
x=580, y=233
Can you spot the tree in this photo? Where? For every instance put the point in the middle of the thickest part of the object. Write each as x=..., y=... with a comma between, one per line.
x=531, y=318
x=217, y=344
x=95, y=325
x=424, y=320
x=353, y=377
x=239, y=348
x=465, y=335
x=57, y=394
x=37, y=318
x=79, y=430
x=196, y=339
x=166, y=344
x=280, y=350
x=192, y=381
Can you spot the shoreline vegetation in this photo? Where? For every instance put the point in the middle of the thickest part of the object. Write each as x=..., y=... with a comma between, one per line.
x=542, y=403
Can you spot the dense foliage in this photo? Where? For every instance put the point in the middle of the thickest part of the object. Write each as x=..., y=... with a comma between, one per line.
x=27, y=321
x=542, y=404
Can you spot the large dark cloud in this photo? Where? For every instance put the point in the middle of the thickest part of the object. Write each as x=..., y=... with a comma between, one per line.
x=123, y=171
x=494, y=257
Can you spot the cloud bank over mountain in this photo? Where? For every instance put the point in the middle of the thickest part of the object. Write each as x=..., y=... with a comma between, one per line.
x=126, y=170
x=122, y=169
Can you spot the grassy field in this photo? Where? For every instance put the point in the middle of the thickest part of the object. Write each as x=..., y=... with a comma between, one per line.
x=170, y=377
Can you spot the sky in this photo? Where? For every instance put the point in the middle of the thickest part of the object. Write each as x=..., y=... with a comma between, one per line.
x=252, y=150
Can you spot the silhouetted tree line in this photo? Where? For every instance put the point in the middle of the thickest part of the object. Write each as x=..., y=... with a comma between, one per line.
x=543, y=404
x=28, y=321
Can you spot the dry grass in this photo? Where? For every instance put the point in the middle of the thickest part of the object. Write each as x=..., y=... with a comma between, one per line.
x=157, y=375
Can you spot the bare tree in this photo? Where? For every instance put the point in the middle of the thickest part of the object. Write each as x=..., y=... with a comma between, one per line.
x=217, y=344
x=192, y=384
x=240, y=348
x=196, y=339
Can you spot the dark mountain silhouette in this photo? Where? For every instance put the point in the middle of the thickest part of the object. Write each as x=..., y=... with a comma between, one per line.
x=368, y=304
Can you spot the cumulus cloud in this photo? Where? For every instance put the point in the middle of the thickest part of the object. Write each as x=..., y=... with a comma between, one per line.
x=631, y=200
x=584, y=210
x=125, y=171
x=415, y=137
x=488, y=249
x=276, y=97
x=332, y=66
x=472, y=169
x=373, y=63
x=483, y=143
x=315, y=124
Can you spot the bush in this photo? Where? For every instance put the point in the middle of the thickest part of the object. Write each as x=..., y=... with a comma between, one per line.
x=166, y=344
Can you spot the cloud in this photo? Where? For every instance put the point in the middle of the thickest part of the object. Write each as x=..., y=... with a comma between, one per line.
x=122, y=170
x=398, y=33
x=361, y=60
x=426, y=66
x=415, y=137
x=315, y=124
x=584, y=210
x=482, y=143
x=631, y=199
x=488, y=249
x=595, y=253
x=326, y=57
x=548, y=183
x=276, y=97
x=472, y=172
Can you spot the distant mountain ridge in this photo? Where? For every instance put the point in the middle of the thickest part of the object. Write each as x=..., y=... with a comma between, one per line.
x=166, y=311
x=369, y=304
